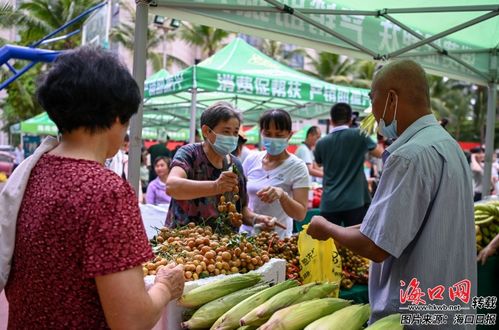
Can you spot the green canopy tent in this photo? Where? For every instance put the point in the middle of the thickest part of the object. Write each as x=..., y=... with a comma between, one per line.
x=454, y=38
x=243, y=75
x=39, y=125
x=42, y=125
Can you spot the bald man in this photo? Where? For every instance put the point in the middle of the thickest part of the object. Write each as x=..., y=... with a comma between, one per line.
x=419, y=230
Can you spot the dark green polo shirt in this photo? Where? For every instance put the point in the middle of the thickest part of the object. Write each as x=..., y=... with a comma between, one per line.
x=342, y=155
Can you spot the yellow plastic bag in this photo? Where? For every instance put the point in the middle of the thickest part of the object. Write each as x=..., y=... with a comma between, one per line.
x=319, y=260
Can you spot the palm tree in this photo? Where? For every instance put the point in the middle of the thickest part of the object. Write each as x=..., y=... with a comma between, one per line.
x=34, y=20
x=124, y=34
x=209, y=39
x=7, y=19
x=363, y=73
x=277, y=50
x=331, y=67
x=44, y=16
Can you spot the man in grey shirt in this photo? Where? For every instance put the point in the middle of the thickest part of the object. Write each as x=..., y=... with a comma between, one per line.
x=419, y=230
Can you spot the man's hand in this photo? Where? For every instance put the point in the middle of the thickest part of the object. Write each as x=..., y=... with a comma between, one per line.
x=319, y=228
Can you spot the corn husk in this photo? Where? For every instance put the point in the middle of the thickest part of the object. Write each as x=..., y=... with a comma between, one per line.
x=207, y=314
x=231, y=319
x=298, y=316
x=390, y=322
x=262, y=313
x=349, y=318
x=211, y=291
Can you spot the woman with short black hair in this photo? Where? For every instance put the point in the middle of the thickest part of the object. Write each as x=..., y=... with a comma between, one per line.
x=201, y=172
x=278, y=181
x=79, y=238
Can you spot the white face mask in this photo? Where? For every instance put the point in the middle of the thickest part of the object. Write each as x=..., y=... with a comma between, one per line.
x=224, y=144
x=390, y=131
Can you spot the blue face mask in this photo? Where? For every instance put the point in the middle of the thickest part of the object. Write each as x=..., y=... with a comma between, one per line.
x=390, y=131
x=274, y=146
x=224, y=144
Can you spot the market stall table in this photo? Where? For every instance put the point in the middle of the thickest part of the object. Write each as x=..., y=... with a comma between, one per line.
x=359, y=293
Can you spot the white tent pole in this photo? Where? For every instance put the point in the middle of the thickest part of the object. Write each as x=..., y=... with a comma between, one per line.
x=489, y=137
x=431, y=44
x=443, y=34
x=192, y=127
x=490, y=128
x=292, y=11
x=260, y=8
x=139, y=73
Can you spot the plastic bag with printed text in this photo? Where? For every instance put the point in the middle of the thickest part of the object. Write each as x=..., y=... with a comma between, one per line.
x=319, y=260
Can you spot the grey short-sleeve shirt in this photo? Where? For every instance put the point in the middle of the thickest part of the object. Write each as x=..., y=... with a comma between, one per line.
x=425, y=164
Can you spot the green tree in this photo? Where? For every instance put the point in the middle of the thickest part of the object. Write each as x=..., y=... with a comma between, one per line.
x=124, y=34
x=277, y=50
x=34, y=20
x=362, y=72
x=330, y=67
x=20, y=103
x=209, y=39
x=47, y=15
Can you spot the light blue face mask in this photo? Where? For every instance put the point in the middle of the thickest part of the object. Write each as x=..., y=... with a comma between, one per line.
x=390, y=131
x=274, y=146
x=224, y=144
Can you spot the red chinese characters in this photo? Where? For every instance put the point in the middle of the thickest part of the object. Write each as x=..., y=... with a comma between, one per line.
x=436, y=293
x=412, y=293
x=461, y=290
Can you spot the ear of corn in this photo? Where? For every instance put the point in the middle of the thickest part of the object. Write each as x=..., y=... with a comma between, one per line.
x=349, y=318
x=207, y=314
x=322, y=290
x=390, y=322
x=247, y=327
x=262, y=313
x=298, y=316
x=211, y=291
x=230, y=320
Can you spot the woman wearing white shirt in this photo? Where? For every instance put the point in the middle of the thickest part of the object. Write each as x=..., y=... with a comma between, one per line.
x=278, y=181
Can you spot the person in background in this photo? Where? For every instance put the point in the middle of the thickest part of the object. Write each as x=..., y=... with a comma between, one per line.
x=355, y=118
x=197, y=136
x=477, y=167
x=156, y=190
x=156, y=150
x=419, y=230
x=306, y=153
x=444, y=122
x=241, y=151
x=488, y=251
x=201, y=172
x=119, y=163
x=278, y=181
x=342, y=153
x=19, y=155
x=144, y=172
x=79, y=237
